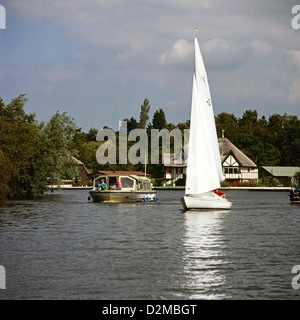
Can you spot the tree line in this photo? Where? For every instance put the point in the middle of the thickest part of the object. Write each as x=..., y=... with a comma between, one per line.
x=34, y=155
x=268, y=142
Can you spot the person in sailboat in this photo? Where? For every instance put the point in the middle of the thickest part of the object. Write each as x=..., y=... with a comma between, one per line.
x=218, y=193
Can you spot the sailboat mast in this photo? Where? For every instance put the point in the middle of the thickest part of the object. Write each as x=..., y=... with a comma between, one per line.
x=146, y=151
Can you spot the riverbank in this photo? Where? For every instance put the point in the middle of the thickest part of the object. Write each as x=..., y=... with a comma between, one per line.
x=68, y=187
x=285, y=189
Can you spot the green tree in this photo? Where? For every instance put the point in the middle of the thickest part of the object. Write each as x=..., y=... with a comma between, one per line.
x=183, y=125
x=14, y=111
x=144, y=114
x=290, y=141
x=228, y=124
x=5, y=175
x=22, y=145
x=268, y=155
x=284, y=134
x=249, y=118
x=159, y=119
x=91, y=135
x=131, y=124
x=58, y=135
x=87, y=154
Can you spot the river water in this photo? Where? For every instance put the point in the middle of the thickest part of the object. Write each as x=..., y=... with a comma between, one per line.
x=66, y=247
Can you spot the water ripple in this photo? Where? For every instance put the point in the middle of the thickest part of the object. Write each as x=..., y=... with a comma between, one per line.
x=65, y=247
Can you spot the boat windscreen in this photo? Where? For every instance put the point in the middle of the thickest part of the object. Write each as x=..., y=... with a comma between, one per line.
x=127, y=182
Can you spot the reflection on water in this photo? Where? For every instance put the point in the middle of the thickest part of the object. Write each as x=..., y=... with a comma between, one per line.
x=203, y=254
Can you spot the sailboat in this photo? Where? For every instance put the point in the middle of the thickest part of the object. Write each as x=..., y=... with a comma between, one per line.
x=204, y=169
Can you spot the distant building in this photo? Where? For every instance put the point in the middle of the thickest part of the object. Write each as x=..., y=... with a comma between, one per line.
x=79, y=181
x=236, y=165
x=82, y=179
x=83, y=172
x=285, y=175
x=172, y=170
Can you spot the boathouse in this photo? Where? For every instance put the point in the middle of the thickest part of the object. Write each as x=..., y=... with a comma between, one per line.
x=82, y=171
x=80, y=180
x=285, y=175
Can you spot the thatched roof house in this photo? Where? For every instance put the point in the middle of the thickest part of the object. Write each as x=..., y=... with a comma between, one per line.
x=236, y=165
x=228, y=149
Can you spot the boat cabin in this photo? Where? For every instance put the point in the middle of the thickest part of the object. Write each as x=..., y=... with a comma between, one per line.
x=131, y=182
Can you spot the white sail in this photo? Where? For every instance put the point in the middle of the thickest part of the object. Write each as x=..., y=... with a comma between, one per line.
x=202, y=174
x=204, y=170
x=201, y=76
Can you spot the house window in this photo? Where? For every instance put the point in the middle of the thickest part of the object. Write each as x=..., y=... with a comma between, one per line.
x=168, y=174
x=231, y=170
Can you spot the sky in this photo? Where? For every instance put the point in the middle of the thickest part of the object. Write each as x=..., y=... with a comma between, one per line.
x=98, y=60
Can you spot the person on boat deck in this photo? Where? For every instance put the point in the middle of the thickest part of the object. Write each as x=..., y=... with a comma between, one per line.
x=112, y=186
x=102, y=185
x=295, y=193
x=118, y=184
x=218, y=193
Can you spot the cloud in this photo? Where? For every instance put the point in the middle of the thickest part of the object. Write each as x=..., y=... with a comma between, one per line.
x=180, y=51
x=293, y=58
x=261, y=48
x=134, y=25
x=122, y=51
x=59, y=73
x=115, y=23
x=294, y=92
x=217, y=52
x=230, y=53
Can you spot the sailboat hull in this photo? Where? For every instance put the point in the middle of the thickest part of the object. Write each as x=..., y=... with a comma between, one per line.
x=205, y=202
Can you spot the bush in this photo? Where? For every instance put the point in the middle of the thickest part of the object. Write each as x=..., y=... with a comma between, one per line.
x=237, y=184
x=263, y=182
x=180, y=183
x=268, y=182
